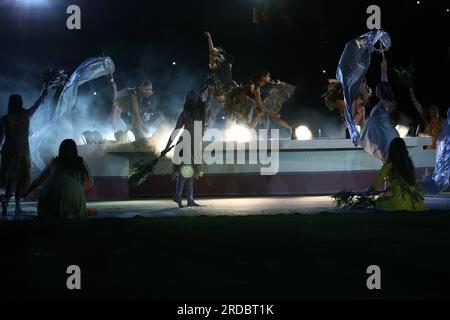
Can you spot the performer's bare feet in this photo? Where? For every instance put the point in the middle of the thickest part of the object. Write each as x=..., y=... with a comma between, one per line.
x=193, y=204
x=179, y=202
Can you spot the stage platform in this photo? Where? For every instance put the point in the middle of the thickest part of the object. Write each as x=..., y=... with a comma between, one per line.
x=213, y=207
x=312, y=167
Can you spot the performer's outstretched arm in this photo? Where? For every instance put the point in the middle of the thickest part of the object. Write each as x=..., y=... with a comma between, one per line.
x=38, y=103
x=212, y=53
x=179, y=125
x=417, y=105
x=45, y=175
x=384, y=71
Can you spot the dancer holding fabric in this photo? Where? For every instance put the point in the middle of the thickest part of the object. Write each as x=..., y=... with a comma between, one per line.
x=379, y=131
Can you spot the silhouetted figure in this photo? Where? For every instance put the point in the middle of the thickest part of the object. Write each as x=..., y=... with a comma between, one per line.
x=15, y=168
x=65, y=181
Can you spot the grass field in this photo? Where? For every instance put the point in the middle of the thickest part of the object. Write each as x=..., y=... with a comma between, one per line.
x=255, y=257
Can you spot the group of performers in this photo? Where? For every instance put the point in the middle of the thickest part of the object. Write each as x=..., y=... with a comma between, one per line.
x=249, y=104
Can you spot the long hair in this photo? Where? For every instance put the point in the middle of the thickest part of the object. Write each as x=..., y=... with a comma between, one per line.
x=402, y=164
x=15, y=104
x=68, y=156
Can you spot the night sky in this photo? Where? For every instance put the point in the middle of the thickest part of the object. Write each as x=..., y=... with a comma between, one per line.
x=295, y=39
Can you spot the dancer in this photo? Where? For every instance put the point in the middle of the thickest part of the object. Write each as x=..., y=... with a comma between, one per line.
x=334, y=99
x=246, y=103
x=433, y=122
x=128, y=104
x=379, y=130
x=66, y=180
x=15, y=167
x=400, y=174
x=440, y=180
x=193, y=111
x=220, y=80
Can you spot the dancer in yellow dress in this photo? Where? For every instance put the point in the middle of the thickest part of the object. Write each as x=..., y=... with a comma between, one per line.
x=402, y=194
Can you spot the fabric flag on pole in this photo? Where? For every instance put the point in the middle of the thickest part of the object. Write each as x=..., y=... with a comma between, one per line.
x=89, y=70
x=353, y=66
x=442, y=171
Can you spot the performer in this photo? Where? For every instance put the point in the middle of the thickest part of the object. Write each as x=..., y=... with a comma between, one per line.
x=219, y=81
x=334, y=99
x=65, y=181
x=379, y=130
x=15, y=167
x=433, y=122
x=400, y=174
x=274, y=96
x=245, y=104
x=193, y=110
x=128, y=105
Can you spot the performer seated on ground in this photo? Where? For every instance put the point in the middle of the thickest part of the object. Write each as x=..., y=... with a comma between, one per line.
x=403, y=194
x=15, y=167
x=193, y=110
x=380, y=127
x=219, y=81
x=127, y=105
x=334, y=99
x=65, y=181
x=433, y=122
x=245, y=104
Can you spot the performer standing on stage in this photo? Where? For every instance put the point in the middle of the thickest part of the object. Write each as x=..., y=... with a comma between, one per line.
x=433, y=122
x=15, y=167
x=220, y=80
x=334, y=99
x=193, y=111
x=379, y=130
x=128, y=104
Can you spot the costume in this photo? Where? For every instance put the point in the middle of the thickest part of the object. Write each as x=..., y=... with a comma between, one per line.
x=63, y=194
x=378, y=133
x=403, y=197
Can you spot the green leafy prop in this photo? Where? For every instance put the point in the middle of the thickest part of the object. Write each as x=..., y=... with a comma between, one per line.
x=143, y=170
x=406, y=75
x=350, y=200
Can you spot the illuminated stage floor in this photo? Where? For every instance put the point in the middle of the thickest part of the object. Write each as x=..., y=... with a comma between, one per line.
x=222, y=207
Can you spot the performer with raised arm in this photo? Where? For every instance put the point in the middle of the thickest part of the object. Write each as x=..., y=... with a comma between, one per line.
x=433, y=122
x=246, y=104
x=15, y=167
x=128, y=104
x=185, y=173
x=379, y=131
x=219, y=81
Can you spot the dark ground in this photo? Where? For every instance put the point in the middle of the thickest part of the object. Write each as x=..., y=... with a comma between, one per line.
x=264, y=257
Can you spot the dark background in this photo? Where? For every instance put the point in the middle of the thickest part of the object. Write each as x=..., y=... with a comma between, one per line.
x=296, y=40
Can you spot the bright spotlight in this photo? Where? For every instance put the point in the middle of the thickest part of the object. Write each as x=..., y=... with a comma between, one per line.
x=303, y=133
x=131, y=136
x=402, y=131
x=238, y=134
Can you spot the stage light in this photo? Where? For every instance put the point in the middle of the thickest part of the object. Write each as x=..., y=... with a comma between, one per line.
x=131, y=136
x=238, y=134
x=303, y=133
x=402, y=131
